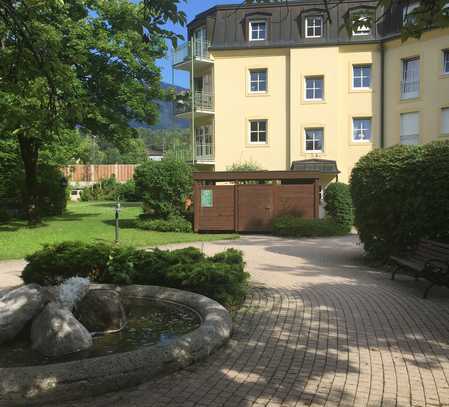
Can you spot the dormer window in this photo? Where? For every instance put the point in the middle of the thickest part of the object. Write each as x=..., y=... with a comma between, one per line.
x=313, y=26
x=361, y=25
x=408, y=13
x=258, y=30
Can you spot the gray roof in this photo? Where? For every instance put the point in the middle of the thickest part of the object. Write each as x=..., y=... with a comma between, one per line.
x=316, y=165
x=227, y=24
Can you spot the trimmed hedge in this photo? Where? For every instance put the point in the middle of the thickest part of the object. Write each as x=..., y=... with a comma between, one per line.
x=400, y=196
x=174, y=223
x=221, y=277
x=337, y=197
x=293, y=226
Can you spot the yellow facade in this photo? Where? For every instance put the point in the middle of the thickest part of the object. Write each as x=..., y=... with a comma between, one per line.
x=288, y=114
x=434, y=86
x=285, y=108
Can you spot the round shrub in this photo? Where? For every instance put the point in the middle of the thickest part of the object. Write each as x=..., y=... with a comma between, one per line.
x=400, y=196
x=339, y=204
x=163, y=186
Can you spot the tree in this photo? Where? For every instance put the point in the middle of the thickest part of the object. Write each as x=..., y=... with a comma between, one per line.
x=429, y=14
x=70, y=65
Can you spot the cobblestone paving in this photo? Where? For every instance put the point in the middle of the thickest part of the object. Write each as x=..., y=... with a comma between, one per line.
x=318, y=329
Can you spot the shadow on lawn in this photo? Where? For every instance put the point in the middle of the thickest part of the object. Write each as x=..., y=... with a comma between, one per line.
x=111, y=204
x=124, y=223
x=15, y=225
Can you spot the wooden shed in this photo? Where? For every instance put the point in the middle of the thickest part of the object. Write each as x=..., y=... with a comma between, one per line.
x=248, y=201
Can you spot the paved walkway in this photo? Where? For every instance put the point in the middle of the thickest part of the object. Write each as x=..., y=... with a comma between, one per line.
x=320, y=329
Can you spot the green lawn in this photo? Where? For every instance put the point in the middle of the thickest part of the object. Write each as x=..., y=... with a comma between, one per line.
x=87, y=221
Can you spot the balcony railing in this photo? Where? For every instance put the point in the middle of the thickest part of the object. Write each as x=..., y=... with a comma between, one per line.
x=409, y=89
x=204, y=101
x=205, y=152
x=184, y=51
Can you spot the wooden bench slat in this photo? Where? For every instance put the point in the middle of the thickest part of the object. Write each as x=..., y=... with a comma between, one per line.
x=420, y=259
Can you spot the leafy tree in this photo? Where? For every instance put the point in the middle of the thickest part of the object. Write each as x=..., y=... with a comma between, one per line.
x=429, y=14
x=70, y=65
x=164, y=186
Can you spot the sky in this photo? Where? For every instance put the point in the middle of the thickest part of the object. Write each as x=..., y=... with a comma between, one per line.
x=191, y=8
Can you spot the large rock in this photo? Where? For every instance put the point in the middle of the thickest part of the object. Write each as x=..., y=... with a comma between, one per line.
x=101, y=311
x=56, y=332
x=17, y=308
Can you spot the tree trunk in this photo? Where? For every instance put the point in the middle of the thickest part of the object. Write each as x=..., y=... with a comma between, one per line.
x=29, y=151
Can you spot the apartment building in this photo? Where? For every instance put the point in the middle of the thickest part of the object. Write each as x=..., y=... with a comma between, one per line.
x=283, y=86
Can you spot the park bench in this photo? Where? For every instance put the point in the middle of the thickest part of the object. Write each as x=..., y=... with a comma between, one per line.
x=429, y=260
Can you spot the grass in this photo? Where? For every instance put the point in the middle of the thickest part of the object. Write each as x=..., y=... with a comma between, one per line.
x=88, y=222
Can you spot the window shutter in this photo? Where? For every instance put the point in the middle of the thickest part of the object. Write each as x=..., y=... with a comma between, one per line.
x=445, y=121
x=410, y=128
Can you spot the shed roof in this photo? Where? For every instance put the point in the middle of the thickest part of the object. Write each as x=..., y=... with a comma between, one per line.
x=316, y=166
x=223, y=176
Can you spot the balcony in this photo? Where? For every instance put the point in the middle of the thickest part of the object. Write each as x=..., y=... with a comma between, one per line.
x=204, y=105
x=409, y=89
x=205, y=153
x=182, y=56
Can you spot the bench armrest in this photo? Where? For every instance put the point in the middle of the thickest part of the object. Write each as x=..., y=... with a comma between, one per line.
x=440, y=265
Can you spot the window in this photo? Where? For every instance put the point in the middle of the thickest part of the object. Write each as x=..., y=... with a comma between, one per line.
x=314, y=88
x=314, y=27
x=361, y=76
x=445, y=120
x=446, y=61
x=408, y=11
x=410, y=128
x=258, y=132
x=410, y=78
x=363, y=25
x=314, y=140
x=361, y=129
x=257, y=30
x=258, y=80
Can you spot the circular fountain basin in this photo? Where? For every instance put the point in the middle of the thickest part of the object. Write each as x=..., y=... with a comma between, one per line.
x=92, y=374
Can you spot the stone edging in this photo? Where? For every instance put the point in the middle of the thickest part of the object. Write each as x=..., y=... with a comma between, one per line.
x=88, y=377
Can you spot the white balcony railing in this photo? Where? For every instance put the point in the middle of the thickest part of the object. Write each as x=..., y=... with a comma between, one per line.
x=184, y=52
x=409, y=89
x=204, y=102
x=205, y=152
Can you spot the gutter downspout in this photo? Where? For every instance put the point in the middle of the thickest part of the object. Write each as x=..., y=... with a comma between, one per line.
x=192, y=87
x=382, y=95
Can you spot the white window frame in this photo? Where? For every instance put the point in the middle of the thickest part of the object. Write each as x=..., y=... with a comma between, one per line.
x=251, y=38
x=314, y=139
x=362, y=129
x=314, y=27
x=445, y=61
x=306, y=88
x=258, y=132
x=444, y=111
x=362, y=76
x=411, y=94
x=401, y=135
x=364, y=30
x=258, y=81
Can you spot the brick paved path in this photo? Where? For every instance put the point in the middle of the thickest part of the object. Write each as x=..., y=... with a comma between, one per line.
x=318, y=328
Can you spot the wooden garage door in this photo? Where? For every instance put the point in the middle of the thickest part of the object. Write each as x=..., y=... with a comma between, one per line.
x=296, y=200
x=216, y=208
x=255, y=208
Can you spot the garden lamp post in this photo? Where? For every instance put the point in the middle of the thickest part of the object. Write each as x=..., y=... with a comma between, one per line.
x=117, y=220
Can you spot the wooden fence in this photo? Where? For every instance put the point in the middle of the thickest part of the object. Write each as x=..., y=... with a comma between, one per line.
x=97, y=173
